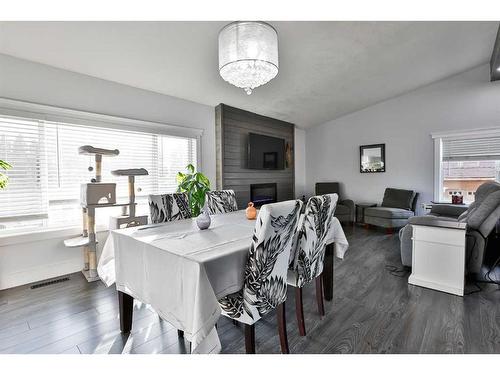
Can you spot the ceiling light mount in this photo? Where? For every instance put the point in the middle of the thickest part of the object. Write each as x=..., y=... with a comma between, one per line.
x=248, y=54
x=495, y=59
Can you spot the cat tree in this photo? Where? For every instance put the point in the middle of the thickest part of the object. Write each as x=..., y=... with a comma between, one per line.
x=128, y=217
x=97, y=194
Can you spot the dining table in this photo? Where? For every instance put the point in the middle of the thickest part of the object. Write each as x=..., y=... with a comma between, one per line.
x=182, y=271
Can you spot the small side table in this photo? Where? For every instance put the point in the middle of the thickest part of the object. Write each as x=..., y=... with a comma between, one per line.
x=428, y=206
x=360, y=211
x=438, y=256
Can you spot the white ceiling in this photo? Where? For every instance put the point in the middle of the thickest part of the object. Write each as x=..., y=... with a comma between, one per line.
x=327, y=69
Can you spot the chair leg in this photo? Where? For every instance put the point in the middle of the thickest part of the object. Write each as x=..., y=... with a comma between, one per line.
x=299, y=311
x=319, y=295
x=180, y=333
x=250, y=338
x=282, y=328
x=327, y=273
x=126, y=308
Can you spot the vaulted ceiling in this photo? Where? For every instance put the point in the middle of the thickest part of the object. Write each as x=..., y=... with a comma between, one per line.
x=327, y=69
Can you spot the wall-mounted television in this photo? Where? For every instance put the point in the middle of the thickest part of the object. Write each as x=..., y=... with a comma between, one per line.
x=265, y=152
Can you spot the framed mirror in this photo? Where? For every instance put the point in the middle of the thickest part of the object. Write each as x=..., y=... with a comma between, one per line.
x=372, y=158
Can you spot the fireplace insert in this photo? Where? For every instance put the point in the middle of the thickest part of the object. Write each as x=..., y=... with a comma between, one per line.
x=263, y=194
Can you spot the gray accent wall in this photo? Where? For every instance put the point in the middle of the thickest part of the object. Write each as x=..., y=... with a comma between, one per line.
x=232, y=126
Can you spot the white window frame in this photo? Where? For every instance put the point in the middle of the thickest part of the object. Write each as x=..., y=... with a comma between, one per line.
x=438, y=150
x=16, y=108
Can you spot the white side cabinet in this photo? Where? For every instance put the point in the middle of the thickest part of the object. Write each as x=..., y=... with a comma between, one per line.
x=438, y=259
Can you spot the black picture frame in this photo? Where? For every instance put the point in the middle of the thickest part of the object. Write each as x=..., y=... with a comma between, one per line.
x=373, y=168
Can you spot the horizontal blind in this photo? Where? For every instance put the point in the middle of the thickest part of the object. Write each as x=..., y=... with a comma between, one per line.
x=175, y=154
x=471, y=149
x=48, y=170
x=162, y=156
x=68, y=169
x=21, y=145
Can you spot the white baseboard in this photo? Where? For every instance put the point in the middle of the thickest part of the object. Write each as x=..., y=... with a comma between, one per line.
x=33, y=274
x=436, y=286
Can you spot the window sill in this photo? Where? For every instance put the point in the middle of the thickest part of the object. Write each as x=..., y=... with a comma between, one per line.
x=35, y=235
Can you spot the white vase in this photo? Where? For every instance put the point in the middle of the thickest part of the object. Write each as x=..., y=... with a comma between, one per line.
x=203, y=220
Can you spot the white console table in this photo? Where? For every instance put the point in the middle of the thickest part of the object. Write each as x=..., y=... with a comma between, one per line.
x=438, y=259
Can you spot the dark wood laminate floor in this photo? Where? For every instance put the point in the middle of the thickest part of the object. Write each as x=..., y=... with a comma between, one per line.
x=372, y=311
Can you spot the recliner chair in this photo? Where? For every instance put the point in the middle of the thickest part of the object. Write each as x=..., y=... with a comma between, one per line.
x=481, y=218
x=345, y=208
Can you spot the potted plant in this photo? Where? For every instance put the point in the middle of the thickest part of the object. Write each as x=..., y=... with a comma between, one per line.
x=195, y=185
x=4, y=179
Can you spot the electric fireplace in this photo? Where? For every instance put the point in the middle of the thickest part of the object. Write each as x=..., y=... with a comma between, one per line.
x=263, y=194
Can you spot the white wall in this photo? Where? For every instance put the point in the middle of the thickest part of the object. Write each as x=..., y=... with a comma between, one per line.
x=300, y=162
x=404, y=124
x=28, y=81
x=23, y=261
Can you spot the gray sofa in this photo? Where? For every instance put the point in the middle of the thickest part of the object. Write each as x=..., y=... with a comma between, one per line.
x=481, y=218
x=345, y=207
x=397, y=207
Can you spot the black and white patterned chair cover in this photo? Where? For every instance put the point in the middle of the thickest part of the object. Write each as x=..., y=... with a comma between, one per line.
x=169, y=207
x=311, y=243
x=221, y=202
x=266, y=269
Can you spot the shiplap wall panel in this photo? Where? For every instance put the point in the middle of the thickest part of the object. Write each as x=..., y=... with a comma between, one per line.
x=232, y=128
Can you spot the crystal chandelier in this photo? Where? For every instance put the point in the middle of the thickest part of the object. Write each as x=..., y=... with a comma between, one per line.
x=248, y=54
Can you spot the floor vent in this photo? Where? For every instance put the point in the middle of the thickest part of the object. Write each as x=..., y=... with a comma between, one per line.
x=50, y=282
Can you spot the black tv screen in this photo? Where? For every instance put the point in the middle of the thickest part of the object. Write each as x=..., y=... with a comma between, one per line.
x=265, y=152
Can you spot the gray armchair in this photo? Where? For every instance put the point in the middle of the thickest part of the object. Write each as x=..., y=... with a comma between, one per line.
x=345, y=207
x=397, y=207
x=481, y=218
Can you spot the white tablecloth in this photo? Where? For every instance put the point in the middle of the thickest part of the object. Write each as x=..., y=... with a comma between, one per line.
x=182, y=271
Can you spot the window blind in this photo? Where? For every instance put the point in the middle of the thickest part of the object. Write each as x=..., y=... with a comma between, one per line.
x=47, y=169
x=21, y=145
x=68, y=169
x=471, y=149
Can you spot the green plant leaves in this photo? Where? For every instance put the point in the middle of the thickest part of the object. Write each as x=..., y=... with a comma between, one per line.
x=4, y=179
x=195, y=185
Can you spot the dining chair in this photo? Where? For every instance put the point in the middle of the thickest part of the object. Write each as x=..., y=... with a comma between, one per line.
x=168, y=207
x=265, y=283
x=309, y=252
x=221, y=202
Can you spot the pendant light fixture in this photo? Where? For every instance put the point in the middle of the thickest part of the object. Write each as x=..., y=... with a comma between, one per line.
x=248, y=54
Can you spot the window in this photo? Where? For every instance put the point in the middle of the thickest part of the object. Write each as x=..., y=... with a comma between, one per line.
x=465, y=162
x=44, y=183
